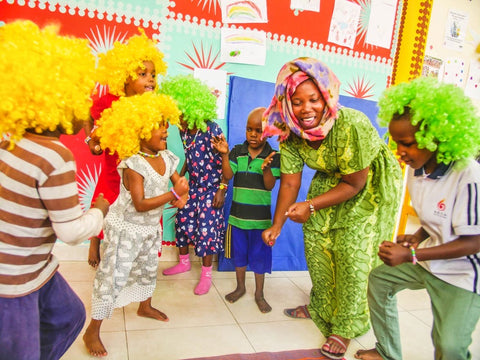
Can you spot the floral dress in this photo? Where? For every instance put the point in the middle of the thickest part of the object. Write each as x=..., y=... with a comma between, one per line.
x=341, y=241
x=128, y=269
x=199, y=223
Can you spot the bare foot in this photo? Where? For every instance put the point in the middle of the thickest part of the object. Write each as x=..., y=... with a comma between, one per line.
x=235, y=295
x=151, y=312
x=94, y=252
x=371, y=354
x=92, y=341
x=263, y=306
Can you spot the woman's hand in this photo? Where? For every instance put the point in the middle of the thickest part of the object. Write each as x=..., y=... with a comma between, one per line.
x=394, y=254
x=270, y=235
x=299, y=212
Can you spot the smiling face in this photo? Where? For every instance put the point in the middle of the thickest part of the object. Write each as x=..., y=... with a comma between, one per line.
x=157, y=142
x=144, y=82
x=308, y=105
x=253, y=130
x=403, y=133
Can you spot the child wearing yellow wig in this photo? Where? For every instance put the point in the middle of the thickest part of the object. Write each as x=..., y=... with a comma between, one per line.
x=133, y=234
x=45, y=92
x=128, y=69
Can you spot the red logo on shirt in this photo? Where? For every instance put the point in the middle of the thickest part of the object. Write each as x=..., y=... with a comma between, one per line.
x=441, y=205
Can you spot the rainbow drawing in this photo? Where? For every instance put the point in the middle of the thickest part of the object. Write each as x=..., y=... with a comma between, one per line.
x=244, y=10
x=241, y=39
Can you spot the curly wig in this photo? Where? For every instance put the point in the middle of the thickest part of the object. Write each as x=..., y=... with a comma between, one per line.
x=46, y=82
x=447, y=120
x=134, y=117
x=194, y=98
x=122, y=61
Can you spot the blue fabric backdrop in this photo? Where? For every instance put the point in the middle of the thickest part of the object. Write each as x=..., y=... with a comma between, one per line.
x=245, y=95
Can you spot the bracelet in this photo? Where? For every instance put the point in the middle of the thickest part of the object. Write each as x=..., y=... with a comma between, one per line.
x=414, y=255
x=312, y=208
x=223, y=186
x=87, y=139
x=174, y=193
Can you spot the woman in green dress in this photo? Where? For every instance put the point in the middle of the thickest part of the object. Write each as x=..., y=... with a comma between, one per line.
x=352, y=201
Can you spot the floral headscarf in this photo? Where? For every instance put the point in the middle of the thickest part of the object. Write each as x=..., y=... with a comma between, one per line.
x=279, y=119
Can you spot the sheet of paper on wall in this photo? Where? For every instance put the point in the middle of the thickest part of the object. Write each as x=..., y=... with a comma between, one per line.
x=472, y=84
x=432, y=67
x=243, y=46
x=381, y=23
x=244, y=11
x=309, y=5
x=454, y=70
x=455, y=30
x=344, y=23
x=217, y=81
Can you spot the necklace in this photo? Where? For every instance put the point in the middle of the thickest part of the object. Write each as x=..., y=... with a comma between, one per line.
x=149, y=155
x=184, y=140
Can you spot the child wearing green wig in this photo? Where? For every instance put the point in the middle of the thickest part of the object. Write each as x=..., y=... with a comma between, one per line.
x=437, y=134
x=201, y=222
x=133, y=234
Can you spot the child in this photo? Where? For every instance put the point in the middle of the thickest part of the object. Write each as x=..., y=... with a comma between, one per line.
x=256, y=167
x=201, y=221
x=133, y=234
x=128, y=69
x=40, y=315
x=437, y=133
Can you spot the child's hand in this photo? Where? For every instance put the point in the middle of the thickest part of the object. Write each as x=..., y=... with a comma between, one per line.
x=407, y=240
x=102, y=204
x=270, y=235
x=220, y=144
x=394, y=254
x=181, y=186
x=219, y=199
x=268, y=161
x=180, y=203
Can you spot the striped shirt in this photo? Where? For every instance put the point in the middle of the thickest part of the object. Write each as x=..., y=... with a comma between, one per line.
x=251, y=201
x=37, y=187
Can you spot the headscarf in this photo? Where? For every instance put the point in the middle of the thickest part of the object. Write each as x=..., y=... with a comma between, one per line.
x=279, y=119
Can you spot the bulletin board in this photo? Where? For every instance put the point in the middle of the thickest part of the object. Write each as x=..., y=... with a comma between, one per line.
x=189, y=33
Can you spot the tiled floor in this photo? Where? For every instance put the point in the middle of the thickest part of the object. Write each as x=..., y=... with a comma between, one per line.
x=208, y=325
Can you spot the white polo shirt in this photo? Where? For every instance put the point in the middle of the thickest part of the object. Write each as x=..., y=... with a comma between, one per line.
x=447, y=203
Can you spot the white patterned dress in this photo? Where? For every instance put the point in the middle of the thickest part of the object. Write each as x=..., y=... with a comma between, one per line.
x=128, y=269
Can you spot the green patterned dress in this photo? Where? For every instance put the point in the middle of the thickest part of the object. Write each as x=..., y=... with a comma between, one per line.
x=341, y=242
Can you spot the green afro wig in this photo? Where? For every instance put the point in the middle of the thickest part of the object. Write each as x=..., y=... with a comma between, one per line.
x=448, y=122
x=194, y=98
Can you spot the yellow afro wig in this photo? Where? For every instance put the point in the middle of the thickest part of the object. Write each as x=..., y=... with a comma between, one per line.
x=132, y=118
x=123, y=60
x=47, y=79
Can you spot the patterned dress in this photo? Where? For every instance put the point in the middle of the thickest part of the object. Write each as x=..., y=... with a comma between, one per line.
x=341, y=242
x=199, y=223
x=128, y=270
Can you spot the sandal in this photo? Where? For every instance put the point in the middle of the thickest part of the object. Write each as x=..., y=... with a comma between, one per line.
x=325, y=349
x=300, y=312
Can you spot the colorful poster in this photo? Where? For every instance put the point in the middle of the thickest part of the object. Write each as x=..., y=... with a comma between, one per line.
x=432, y=67
x=454, y=72
x=381, y=23
x=243, y=46
x=244, y=11
x=344, y=23
x=472, y=85
x=455, y=30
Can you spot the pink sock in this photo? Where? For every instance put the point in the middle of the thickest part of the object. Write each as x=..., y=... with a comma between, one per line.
x=205, y=281
x=182, y=266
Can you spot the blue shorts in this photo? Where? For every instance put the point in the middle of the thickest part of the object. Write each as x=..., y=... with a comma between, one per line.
x=248, y=248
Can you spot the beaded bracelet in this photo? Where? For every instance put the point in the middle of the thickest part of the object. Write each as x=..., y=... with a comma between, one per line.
x=175, y=194
x=414, y=255
x=223, y=186
x=311, y=207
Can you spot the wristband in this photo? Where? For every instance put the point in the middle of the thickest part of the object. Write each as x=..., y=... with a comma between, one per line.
x=414, y=255
x=175, y=194
x=311, y=207
x=223, y=186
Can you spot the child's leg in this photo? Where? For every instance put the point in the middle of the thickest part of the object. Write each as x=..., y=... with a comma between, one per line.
x=92, y=340
x=145, y=309
x=262, y=304
x=94, y=252
x=183, y=264
x=455, y=314
x=240, y=290
x=206, y=277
